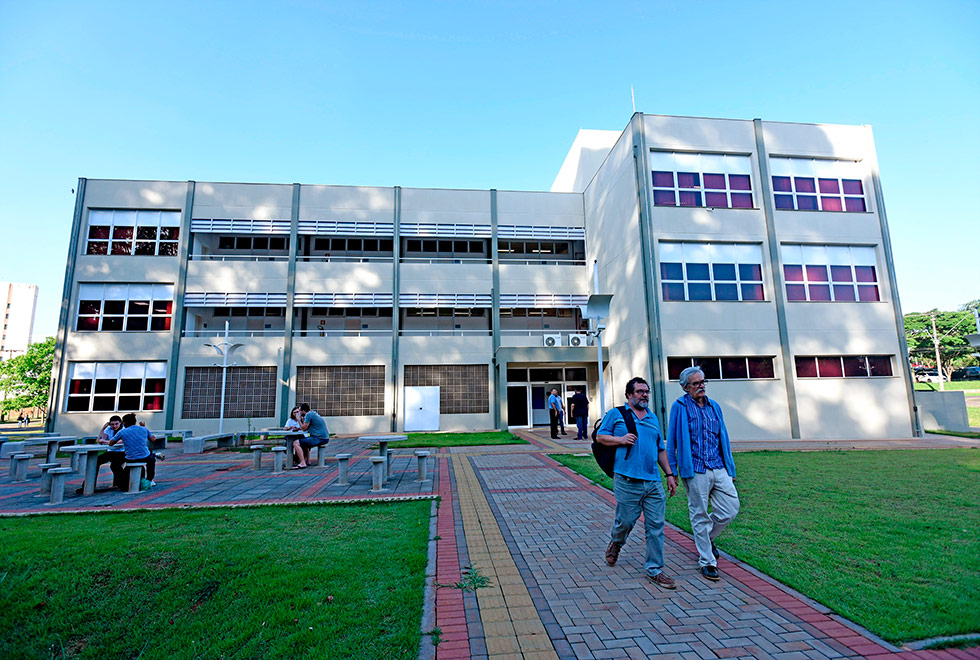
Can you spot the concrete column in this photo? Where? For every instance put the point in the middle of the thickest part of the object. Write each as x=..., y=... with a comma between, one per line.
x=64, y=320
x=396, y=254
x=285, y=373
x=778, y=291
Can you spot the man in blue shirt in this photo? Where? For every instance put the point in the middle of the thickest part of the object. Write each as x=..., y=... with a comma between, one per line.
x=556, y=412
x=135, y=440
x=701, y=454
x=636, y=478
x=319, y=435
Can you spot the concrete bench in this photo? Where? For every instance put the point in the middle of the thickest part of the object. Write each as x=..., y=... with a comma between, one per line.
x=278, y=458
x=256, y=456
x=134, y=474
x=11, y=447
x=46, y=478
x=343, y=466
x=195, y=444
x=18, y=466
x=58, y=477
x=423, y=457
x=378, y=473
x=160, y=437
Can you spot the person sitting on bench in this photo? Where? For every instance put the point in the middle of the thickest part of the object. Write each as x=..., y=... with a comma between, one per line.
x=136, y=440
x=116, y=456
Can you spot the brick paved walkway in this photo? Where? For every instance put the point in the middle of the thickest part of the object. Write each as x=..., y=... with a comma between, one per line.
x=525, y=516
x=537, y=532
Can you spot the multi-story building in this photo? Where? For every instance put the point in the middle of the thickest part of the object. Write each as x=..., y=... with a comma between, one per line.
x=19, y=302
x=758, y=250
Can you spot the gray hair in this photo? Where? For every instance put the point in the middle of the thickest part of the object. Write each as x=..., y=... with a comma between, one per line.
x=687, y=373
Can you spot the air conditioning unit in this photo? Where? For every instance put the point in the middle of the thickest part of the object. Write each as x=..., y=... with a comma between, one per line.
x=578, y=340
x=552, y=340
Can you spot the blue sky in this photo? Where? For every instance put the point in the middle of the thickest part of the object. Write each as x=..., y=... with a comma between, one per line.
x=472, y=95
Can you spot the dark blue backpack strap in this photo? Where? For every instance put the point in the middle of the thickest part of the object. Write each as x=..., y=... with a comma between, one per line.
x=630, y=425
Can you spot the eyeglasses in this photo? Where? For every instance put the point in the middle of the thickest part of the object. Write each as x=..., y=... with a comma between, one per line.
x=700, y=382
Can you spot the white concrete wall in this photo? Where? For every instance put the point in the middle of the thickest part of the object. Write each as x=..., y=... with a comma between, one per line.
x=347, y=203
x=943, y=411
x=613, y=238
x=259, y=201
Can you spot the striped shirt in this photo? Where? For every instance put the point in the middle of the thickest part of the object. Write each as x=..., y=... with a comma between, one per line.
x=705, y=430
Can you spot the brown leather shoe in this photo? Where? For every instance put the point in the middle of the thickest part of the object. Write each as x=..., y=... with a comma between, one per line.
x=612, y=553
x=661, y=580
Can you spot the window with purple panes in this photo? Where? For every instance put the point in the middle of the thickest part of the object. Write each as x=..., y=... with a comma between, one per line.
x=688, y=180
x=844, y=366
x=664, y=198
x=723, y=280
x=845, y=282
x=689, y=198
x=804, y=193
x=724, y=368
x=685, y=189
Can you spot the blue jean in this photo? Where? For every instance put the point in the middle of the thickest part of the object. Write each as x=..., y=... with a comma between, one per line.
x=583, y=426
x=635, y=496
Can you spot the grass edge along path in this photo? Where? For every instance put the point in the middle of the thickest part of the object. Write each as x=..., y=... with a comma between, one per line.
x=886, y=539
x=293, y=581
x=478, y=439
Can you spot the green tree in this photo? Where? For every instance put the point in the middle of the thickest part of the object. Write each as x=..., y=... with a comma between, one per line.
x=26, y=379
x=951, y=328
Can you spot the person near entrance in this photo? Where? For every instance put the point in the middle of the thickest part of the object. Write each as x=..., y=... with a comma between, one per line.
x=579, y=409
x=636, y=479
x=701, y=454
x=556, y=412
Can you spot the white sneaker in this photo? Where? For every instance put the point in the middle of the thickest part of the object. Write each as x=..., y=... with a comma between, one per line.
x=153, y=483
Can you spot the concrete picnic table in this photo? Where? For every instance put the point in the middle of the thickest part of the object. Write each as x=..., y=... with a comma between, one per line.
x=287, y=436
x=382, y=441
x=88, y=464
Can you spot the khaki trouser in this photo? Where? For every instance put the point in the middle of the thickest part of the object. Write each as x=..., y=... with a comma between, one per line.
x=713, y=487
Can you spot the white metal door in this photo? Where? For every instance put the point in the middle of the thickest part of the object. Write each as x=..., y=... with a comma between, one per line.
x=422, y=408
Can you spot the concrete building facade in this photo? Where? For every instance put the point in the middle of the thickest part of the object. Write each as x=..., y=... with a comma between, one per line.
x=759, y=250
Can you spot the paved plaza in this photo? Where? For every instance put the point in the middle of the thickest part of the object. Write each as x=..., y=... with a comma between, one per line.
x=537, y=531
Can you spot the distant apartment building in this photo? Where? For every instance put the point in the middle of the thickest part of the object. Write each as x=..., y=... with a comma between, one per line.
x=758, y=250
x=19, y=302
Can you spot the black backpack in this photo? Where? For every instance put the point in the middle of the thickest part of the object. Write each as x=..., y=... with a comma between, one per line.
x=605, y=455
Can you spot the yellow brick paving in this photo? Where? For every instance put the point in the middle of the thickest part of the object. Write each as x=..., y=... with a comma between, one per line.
x=511, y=624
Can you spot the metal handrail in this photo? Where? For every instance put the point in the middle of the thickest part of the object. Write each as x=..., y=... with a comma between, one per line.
x=437, y=333
x=236, y=257
x=445, y=260
x=281, y=332
x=326, y=332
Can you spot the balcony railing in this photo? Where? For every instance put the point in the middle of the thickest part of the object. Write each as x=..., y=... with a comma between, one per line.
x=344, y=259
x=237, y=257
x=341, y=333
x=445, y=260
x=535, y=332
x=234, y=333
x=445, y=333
x=540, y=261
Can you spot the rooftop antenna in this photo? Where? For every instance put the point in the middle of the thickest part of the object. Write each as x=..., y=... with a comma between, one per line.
x=633, y=98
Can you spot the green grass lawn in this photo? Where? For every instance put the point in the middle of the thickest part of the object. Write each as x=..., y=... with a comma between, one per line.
x=952, y=385
x=888, y=539
x=458, y=439
x=973, y=414
x=317, y=581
